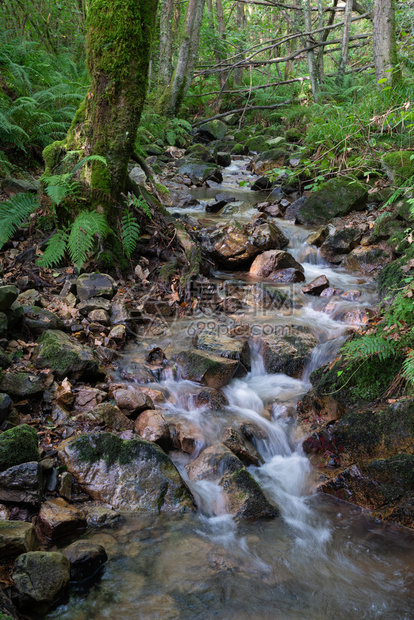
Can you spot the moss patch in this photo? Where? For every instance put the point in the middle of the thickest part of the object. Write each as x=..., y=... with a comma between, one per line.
x=18, y=445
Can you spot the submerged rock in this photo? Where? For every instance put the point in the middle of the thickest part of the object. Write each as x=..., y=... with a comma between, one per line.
x=243, y=498
x=127, y=474
x=85, y=558
x=287, y=349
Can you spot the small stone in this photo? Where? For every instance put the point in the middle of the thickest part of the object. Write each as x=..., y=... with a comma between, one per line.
x=132, y=401
x=8, y=295
x=316, y=286
x=151, y=425
x=16, y=537
x=95, y=285
x=318, y=237
x=65, y=489
x=38, y=320
x=57, y=518
x=286, y=276
x=99, y=516
x=99, y=316
x=117, y=333
x=273, y=260
x=87, y=398
x=5, y=406
x=85, y=558
x=351, y=295
x=94, y=303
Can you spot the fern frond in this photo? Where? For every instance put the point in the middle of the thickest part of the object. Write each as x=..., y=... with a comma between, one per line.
x=368, y=346
x=13, y=212
x=81, y=238
x=408, y=368
x=141, y=205
x=130, y=232
x=57, y=193
x=99, y=158
x=55, y=250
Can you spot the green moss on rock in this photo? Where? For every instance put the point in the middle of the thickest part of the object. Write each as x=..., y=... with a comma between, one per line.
x=18, y=445
x=399, y=166
x=335, y=198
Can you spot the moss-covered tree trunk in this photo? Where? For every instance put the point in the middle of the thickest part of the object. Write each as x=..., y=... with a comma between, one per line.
x=118, y=43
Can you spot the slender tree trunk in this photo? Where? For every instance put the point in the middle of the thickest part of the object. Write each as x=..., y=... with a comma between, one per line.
x=345, y=41
x=221, y=28
x=240, y=18
x=118, y=44
x=384, y=44
x=173, y=95
x=310, y=54
x=166, y=40
x=319, y=54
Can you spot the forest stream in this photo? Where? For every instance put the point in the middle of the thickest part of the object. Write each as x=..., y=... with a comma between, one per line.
x=321, y=558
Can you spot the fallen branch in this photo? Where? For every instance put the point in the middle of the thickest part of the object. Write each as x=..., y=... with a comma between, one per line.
x=244, y=109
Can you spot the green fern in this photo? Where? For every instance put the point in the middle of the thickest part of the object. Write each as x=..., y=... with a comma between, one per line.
x=408, y=368
x=141, y=205
x=86, y=226
x=368, y=346
x=130, y=232
x=13, y=212
x=55, y=250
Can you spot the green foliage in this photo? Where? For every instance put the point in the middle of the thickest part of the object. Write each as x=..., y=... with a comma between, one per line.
x=130, y=229
x=82, y=235
x=13, y=212
x=172, y=131
x=368, y=346
x=408, y=368
x=130, y=232
x=55, y=250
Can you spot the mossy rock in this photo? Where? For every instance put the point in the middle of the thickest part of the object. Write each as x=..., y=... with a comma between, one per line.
x=201, y=152
x=153, y=149
x=398, y=166
x=40, y=578
x=293, y=135
x=402, y=210
x=238, y=149
x=21, y=384
x=127, y=474
x=216, y=129
x=276, y=155
x=18, y=445
x=65, y=358
x=257, y=144
x=3, y=325
x=8, y=295
x=206, y=368
x=335, y=198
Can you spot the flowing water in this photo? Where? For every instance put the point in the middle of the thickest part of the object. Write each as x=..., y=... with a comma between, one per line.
x=320, y=559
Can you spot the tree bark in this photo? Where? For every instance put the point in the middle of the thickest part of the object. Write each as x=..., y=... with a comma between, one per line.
x=240, y=18
x=118, y=42
x=384, y=43
x=166, y=39
x=174, y=94
x=310, y=54
x=345, y=41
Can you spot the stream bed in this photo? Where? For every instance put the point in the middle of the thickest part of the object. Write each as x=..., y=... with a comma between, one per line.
x=321, y=558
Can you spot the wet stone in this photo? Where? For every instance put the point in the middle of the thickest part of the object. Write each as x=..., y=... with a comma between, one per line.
x=85, y=558
x=206, y=368
x=22, y=484
x=241, y=447
x=316, y=286
x=95, y=285
x=16, y=537
x=57, y=518
x=286, y=276
x=268, y=262
x=152, y=425
x=132, y=401
x=40, y=578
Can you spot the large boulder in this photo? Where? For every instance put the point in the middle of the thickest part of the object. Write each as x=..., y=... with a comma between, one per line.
x=243, y=498
x=206, y=368
x=288, y=349
x=40, y=578
x=368, y=260
x=335, y=198
x=127, y=474
x=214, y=130
x=236, y=245
x=16, y=537
x=266, y=264
x=18, y=445
x=21, y=384
x=55, y=350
